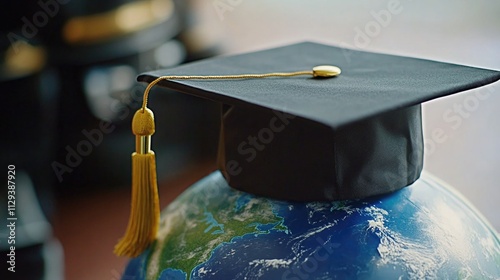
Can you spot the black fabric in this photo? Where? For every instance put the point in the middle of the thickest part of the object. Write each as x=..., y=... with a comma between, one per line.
x=299, y=138
x=296, y=159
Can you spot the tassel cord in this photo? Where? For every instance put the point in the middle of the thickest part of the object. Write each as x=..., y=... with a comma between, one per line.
x=145, y=209
x=218, y=77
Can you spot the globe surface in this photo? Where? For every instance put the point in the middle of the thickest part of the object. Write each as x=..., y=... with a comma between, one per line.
x=424, y=231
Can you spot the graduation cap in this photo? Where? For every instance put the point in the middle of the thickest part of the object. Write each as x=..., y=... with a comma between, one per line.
x=335, y=135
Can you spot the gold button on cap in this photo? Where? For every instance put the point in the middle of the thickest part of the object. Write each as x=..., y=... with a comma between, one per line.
x=325, y=71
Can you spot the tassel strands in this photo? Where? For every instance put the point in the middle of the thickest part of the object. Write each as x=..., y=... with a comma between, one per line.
x=145, y=207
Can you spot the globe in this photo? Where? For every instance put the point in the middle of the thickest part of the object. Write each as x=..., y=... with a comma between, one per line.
x=423, y=231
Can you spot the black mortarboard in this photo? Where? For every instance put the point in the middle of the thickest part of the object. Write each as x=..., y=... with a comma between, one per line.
x=299, y=138
x=351, y=136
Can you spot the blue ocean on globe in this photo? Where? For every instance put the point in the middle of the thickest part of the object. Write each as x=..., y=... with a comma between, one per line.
x=423, y=231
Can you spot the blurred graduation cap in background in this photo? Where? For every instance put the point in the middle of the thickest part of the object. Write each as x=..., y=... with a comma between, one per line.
x=351, y=136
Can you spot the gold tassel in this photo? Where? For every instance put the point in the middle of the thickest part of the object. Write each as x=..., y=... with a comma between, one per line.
x=145, y=214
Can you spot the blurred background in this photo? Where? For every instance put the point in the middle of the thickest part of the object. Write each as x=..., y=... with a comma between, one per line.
x=67, y=80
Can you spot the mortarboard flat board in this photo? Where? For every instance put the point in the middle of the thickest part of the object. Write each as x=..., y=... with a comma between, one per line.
x=305, y=139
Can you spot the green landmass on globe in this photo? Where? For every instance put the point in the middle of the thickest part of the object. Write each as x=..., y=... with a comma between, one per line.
x=199, y=224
